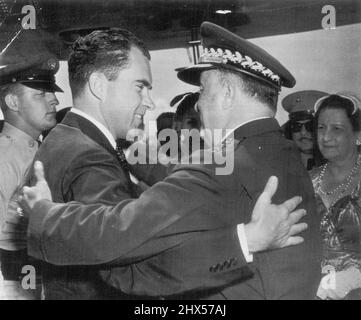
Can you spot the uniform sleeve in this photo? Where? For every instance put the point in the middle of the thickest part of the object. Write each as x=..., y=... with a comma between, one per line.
x=95, y=233
x=201, y=263
x=9, y=177
x=175, y=221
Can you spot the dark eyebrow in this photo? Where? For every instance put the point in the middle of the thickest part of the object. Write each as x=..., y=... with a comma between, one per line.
x=145, y=83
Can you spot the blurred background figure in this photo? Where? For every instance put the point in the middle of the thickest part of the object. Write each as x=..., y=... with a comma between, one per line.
x=187, y=117
x=300, y=127
x=338, y=191
x=145, y=175
x=165, y=121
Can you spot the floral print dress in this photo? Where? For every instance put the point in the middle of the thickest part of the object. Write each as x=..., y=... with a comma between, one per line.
x=340, y=230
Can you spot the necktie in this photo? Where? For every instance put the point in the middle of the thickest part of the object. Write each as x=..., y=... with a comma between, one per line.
x=121, y=157
x=125, y=165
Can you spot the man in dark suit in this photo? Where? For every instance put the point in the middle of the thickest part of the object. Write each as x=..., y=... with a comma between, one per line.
x=173, y=239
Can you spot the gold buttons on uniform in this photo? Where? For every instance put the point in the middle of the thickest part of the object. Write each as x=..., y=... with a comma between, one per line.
x=31, y=143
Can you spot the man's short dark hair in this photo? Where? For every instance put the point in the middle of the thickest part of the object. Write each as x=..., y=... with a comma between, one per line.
x=15, y=89
x=105, y=51
x=261, y=90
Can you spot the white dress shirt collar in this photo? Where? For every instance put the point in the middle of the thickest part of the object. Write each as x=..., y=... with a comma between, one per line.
x=99, y=125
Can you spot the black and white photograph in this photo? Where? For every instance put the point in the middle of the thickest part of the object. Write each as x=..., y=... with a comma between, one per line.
x=184, y=150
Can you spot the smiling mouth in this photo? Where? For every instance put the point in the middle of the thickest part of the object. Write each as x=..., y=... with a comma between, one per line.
x=139, y=116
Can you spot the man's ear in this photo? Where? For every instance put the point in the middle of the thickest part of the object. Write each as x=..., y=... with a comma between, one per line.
x=12, y=102
x=228, y=93
x=98, y=85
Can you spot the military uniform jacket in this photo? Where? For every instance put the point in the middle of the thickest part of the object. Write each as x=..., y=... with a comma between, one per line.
x=17, y=151
x=81, y=165
x=289, y=273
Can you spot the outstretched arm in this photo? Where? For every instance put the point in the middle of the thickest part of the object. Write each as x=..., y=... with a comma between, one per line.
x=168, y=221
x=94, y=234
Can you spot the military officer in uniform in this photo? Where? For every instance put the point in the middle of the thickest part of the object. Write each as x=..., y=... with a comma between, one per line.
x=300, y=127
x=239, y=86
x=28, y=102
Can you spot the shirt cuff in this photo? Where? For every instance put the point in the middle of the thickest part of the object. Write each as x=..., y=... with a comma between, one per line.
x=243, y=242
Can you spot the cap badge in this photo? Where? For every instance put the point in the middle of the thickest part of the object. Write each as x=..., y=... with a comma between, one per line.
x=52, y=64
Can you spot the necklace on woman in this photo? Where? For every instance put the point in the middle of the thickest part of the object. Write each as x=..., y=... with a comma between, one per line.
x=343, y=186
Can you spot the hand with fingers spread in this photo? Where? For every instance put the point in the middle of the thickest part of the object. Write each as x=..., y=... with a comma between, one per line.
x=274, y=226
x=40, y=191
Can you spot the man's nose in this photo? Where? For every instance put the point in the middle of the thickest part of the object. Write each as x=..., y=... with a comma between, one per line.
x=148, y=101
x=303, y=130
x=52, y=98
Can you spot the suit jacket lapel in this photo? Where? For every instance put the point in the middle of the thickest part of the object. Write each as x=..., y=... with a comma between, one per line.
x=92, y=131
x=89, y=129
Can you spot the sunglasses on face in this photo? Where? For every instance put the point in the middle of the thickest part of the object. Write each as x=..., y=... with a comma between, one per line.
x=297, y=126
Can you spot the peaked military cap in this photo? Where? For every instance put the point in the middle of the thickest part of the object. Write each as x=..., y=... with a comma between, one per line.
x=300, y=104
x=27, y=60
x=224, y=49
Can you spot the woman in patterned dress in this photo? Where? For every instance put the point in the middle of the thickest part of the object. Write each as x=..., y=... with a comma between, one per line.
x=338, y=192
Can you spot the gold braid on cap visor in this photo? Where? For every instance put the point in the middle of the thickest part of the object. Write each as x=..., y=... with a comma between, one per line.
x=220, y=56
